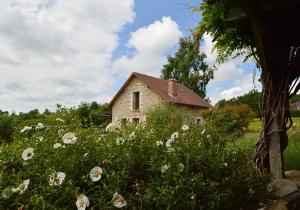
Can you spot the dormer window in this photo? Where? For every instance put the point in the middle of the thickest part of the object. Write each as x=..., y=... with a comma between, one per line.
x=136, y=101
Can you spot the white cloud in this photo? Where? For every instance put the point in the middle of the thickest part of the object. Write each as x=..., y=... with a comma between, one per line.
x=230, y=80
x=228, y=71
x=150, y=42
x=207, y=48
x=241, y=86
x=58, y=51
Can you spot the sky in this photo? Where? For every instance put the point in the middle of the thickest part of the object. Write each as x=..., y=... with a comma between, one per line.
x=68, y=52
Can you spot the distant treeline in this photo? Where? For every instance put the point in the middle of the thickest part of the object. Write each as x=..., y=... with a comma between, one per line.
x=253, y=100
x=86, y=115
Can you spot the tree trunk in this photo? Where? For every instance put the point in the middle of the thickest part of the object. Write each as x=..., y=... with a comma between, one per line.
x=269, y=149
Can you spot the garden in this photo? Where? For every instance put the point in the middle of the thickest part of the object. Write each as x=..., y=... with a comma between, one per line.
x=166, y=163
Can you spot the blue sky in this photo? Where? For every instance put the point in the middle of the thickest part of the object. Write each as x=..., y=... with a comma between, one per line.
x=68, y=52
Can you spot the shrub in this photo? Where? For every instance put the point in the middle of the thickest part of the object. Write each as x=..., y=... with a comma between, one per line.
x=295, y=113
x=157, y=165
x=232, y=119
x=6, y=128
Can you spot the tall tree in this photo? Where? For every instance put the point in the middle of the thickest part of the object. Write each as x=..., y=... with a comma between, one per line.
x=266, y=31
x=187, y=66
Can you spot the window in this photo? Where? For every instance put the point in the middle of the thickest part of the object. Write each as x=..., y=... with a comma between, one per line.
x=135, y=121
x=136, y=101
x=199, y=120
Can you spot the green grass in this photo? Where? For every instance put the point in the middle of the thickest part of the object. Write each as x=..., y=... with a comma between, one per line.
x=255, y=125
x=291, y=153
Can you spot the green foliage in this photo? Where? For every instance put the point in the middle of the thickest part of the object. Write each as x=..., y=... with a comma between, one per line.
x=231, y=119
x=6, y=128
x=295, y=113
x=196, y=171
x=252, y=99
x=230, y=37
x=295, y=98
x=84, y=112
x=188, y=67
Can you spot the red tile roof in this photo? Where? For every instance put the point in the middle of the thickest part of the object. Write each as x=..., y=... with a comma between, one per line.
x=185, y=95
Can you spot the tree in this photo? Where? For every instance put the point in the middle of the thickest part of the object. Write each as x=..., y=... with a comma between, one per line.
x=252, y=99
x=188, y=67
x=83, y=113
x=266, y=32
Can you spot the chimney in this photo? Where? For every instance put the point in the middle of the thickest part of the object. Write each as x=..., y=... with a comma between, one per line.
x=172, y=88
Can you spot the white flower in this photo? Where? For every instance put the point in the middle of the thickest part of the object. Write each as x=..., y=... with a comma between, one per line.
x=28, y=154
x=56, y=178
x=174, y=135
x=159, y=143
x=180, y=167
x=132, y=135
x=120, y=141
x=85, y=154
x=185, y=127
x=59, y=120
x=169, y=142
x=203, y=131
x=26, y=128
x=56, y=145
x=69, y=138
x=112, y=126
x=96, y=173
x=22, y=187
x=40, y=126
x=164, y=168
x=82, y=202
x=118, y=200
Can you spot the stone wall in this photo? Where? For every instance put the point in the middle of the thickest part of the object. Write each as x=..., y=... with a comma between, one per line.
x=122, y=107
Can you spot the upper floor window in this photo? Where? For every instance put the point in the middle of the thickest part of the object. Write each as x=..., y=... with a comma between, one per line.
x=136, y=101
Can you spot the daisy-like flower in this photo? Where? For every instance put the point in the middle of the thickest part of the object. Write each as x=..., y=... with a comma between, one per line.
x=159, y=143
x=164, y=168
x=26, y=128
x=118, y=200
x=185, y=127
x=28, y=154
x=82, y=202
x=120, y=141
x=22, y=187
x=40, y=126
x=174, y=135
x=96, y=173
x=59, y=120
x=169, y=142
x=69, y=138
x=57, y=178
x=56, y=145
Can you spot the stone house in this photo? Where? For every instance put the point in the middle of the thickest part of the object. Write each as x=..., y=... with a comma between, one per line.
x=141, y=92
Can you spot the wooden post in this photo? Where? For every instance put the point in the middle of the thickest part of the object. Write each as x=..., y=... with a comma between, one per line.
x=275, y=153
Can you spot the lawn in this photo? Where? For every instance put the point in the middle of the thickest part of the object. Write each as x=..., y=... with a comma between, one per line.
x=291, y=153
x=255, y=125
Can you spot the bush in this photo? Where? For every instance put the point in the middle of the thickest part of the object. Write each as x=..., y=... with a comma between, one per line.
x=6, y=128
x=231, y=119
x=295, y=113
x=158, y=165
